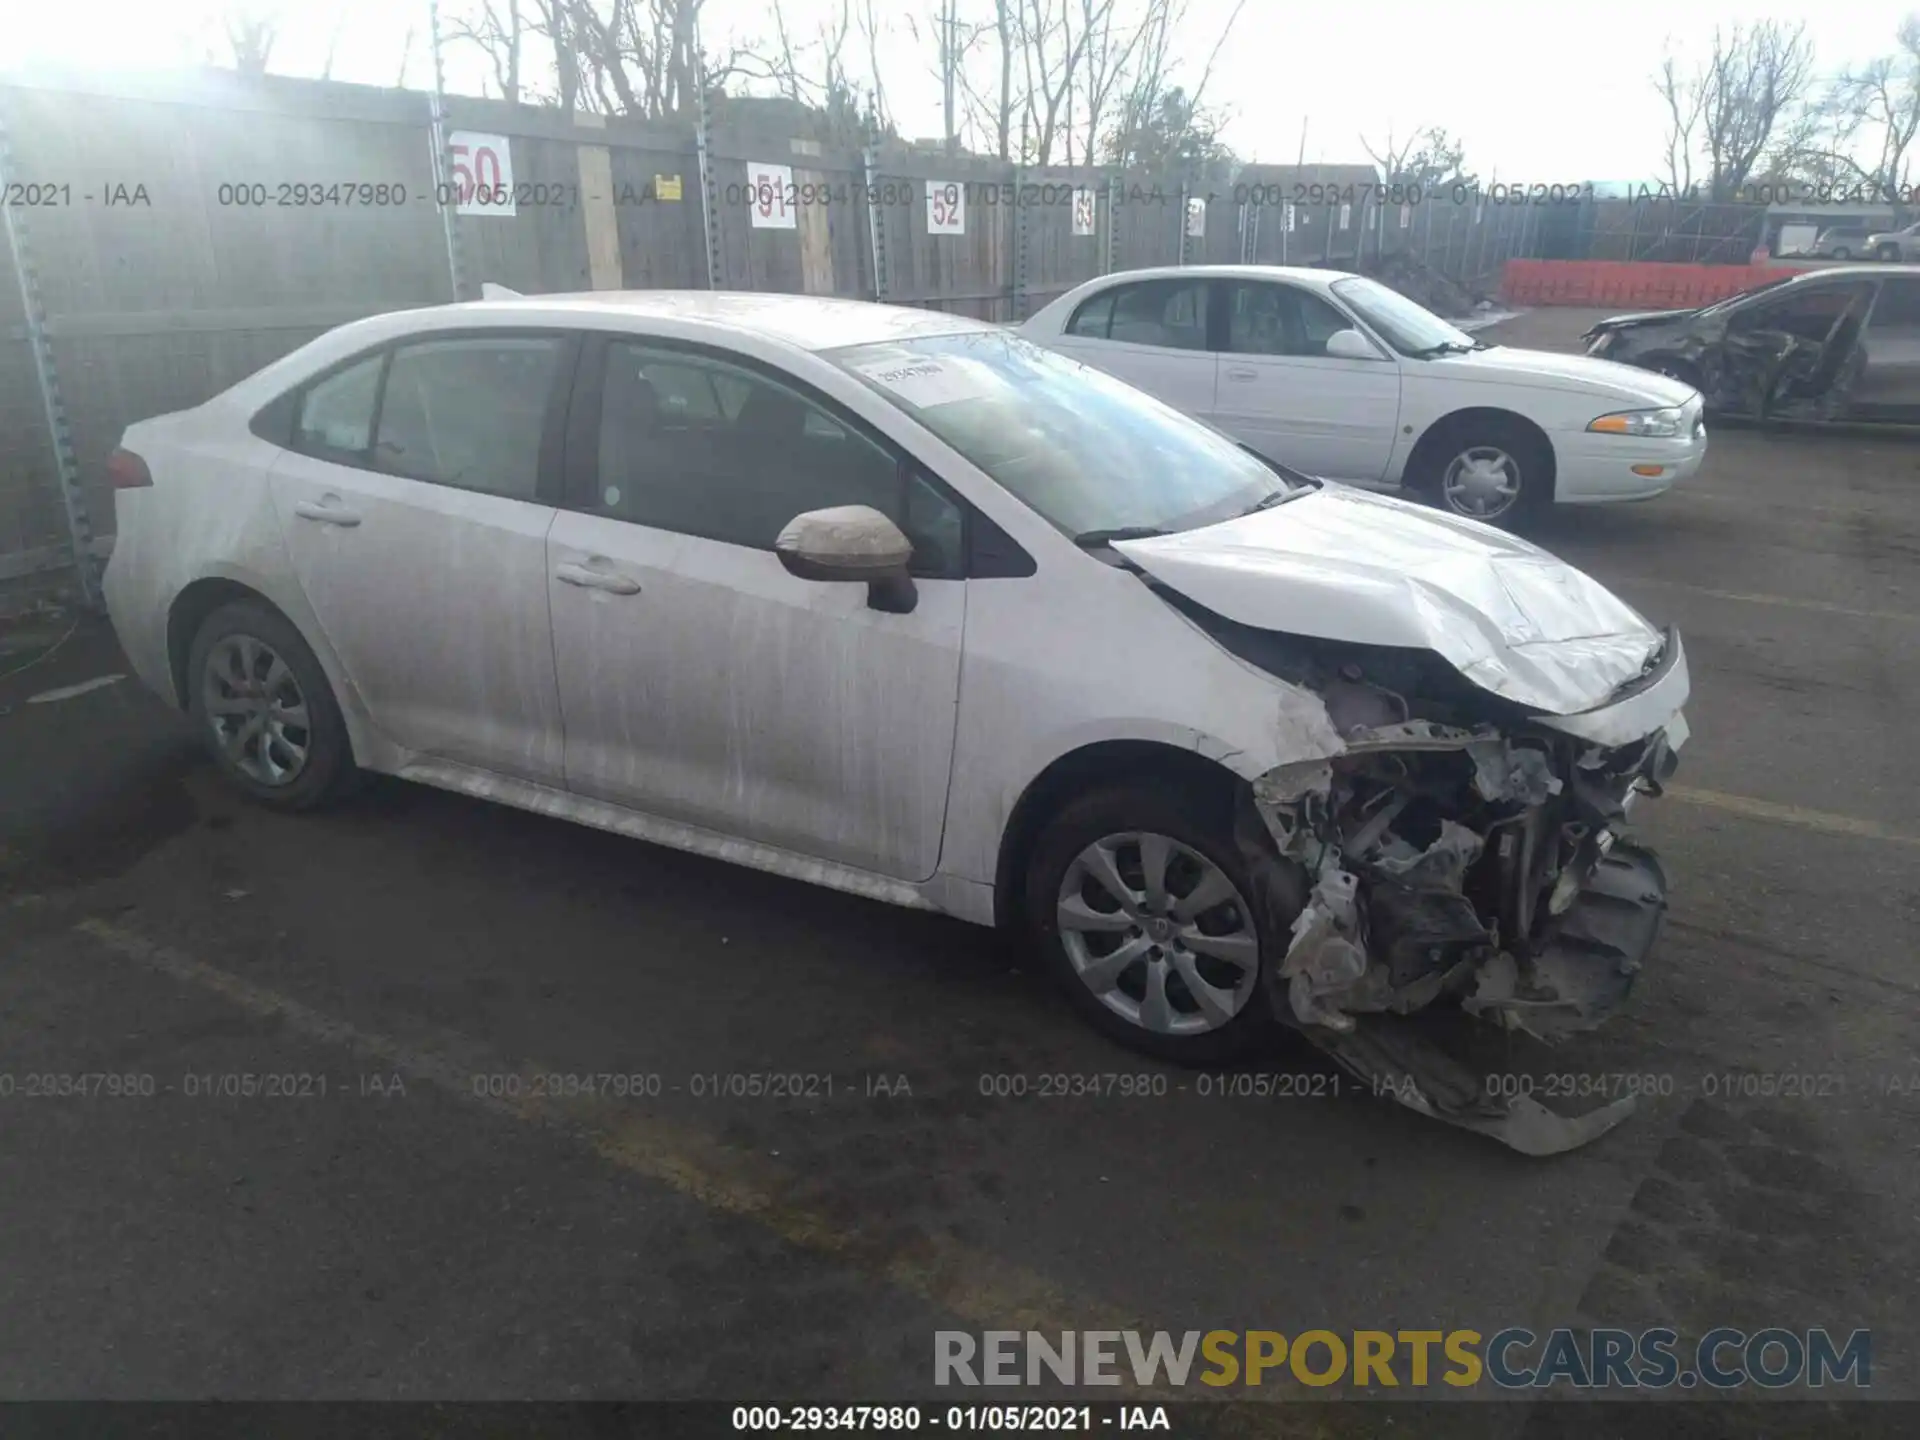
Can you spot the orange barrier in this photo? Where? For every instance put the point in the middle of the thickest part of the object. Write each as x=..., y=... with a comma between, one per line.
x=1640, y=285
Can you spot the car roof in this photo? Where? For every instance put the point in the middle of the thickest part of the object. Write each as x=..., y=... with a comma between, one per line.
x=1852, y=272
x=1298, y=274
x=810, y=322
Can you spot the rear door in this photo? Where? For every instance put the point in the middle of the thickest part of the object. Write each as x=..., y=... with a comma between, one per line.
x=1887, y=387
x=1149, y=333
x=415, y=502
x=1789, y=354
x=1280, y=392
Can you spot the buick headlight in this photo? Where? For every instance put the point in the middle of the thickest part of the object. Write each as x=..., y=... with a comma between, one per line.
x=1657, y=424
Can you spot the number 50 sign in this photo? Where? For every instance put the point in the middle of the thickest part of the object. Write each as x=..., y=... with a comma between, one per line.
x=482, y=173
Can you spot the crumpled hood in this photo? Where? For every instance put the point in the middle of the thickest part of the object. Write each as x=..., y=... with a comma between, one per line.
x=1343, y=564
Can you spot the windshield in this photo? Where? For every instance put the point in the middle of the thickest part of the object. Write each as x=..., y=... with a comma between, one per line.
x=1411, y=329
x=1087, y=452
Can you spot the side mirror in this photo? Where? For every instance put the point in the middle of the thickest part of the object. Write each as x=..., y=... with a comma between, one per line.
x=851, y=543
x=1350, y=344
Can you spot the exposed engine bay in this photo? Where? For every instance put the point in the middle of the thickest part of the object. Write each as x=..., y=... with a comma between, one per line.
x=1456, y=856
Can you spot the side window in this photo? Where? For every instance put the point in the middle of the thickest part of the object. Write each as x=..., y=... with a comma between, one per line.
x=1809, y=315
x=1168, y=313
x=763, y=455
x=1093, y=317
x=1897, y=311
x=336, y=415
x=468, y=412
x=1267, y=319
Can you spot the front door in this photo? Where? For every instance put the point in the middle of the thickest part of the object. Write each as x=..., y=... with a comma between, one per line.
x=700, y=681
x=1280, y=392
x=412, y=510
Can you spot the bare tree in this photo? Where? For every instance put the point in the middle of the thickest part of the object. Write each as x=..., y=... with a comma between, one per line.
x=251, y=27
x=1879, y=106
x=1684, y=100
x=1428, y=158
x=953, y=39
x=1746, y=91
x=501, y=34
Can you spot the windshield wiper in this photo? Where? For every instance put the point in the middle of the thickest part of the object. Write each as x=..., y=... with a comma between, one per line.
x=1278, y=497
x=1094, y=539
x=1447, y=347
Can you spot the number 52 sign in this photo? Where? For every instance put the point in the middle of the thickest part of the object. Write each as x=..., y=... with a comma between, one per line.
x=946, y=208
x=482, y=175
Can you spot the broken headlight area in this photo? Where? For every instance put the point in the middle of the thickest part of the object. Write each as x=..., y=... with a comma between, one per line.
x=1479, y=868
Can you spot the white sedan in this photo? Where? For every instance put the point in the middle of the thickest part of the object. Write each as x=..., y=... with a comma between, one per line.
x=903, y=604
x=1339, y=376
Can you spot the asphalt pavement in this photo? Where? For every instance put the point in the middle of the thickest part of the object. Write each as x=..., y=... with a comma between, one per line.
x=414, y=1196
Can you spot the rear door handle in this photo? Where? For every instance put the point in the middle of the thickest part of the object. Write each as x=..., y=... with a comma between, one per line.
x=326, y=513
x=1241, y=374
x=589, y=578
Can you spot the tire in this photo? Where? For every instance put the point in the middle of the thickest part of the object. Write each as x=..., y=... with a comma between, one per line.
x=1524, y=457
x=1887, y=252
x=1198, y=828
x=1841, y=252
x=249, y=669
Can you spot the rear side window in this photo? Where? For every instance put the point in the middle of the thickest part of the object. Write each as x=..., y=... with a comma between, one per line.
x=335, y=421
x=1168, y=313
x=468, y=413
x=1092, y=318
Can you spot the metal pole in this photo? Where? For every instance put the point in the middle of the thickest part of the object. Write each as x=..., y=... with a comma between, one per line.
x=709, y=197
x=444, y=189
x=876, y=220
x=79, y=525
x=1111, y=241
x=1183, y=222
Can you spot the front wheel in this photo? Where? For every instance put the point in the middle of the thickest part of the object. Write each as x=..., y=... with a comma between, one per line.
x=1841, y=252
x=1144, y=909
x=1887, y=252
x=1490, y=470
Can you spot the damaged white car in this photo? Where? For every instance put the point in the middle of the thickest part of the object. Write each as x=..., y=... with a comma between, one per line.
x=903, y=604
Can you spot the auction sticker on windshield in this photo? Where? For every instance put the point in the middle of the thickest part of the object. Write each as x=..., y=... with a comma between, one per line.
x=924, y=382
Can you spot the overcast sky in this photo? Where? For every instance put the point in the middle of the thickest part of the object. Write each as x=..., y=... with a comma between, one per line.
x=1542, y=93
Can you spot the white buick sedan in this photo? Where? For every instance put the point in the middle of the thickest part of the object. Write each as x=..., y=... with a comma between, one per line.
x=904, y=604
x=1339, y=376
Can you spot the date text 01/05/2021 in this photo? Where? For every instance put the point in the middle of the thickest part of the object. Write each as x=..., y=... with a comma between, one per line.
x=1065, y=1419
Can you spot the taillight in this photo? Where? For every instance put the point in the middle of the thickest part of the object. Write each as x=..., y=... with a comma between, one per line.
x=127, y=470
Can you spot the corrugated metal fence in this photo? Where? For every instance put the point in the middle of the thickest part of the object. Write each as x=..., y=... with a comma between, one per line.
x=187, y=229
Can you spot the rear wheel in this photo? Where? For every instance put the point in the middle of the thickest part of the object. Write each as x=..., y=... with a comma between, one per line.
x=1145, y=911
x=264, y=709
x=1493, y=470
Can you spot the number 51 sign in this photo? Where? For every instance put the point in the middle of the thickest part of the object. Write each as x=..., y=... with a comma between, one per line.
x=482, y=173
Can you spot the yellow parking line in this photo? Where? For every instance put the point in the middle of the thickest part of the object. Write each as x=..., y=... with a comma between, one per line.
x=1821, y=606
x=1820, y=820
x=965, y=1283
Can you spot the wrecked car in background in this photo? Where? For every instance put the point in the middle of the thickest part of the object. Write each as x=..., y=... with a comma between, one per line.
x=1840, y=345
x=903, y=604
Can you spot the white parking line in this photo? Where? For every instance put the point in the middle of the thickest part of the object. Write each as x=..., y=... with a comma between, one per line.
x=1824, y=821
x=970, y=1284
x=1787, y=601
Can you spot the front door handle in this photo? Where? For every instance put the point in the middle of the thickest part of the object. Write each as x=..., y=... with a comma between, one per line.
x=589, y=578
x=327, y=512
x=1238, y=373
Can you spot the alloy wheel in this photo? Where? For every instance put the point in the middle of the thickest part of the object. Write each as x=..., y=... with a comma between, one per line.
x=258, y=713
x=1158, y=933
x=1483, y=481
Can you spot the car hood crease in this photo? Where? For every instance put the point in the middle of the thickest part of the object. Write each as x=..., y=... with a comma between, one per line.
x=1341, y=564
